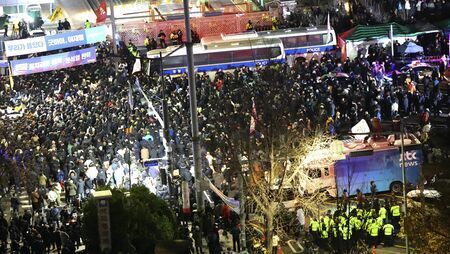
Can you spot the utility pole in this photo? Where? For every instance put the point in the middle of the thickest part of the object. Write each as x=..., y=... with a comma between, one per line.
x=166, y=126
x=194, y=116
x=402, y=131
x=242, y=209
x=113, y=26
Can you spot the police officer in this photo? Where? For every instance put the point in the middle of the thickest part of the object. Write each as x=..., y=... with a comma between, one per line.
x=147, y=43
x=249, y=26
x=5, y=26
x=382, y=212
x=335, y=234
x=388, y=232
x=323, y=234
x=373, y=231
x=345, y=237
x=395, y=217
x=87, y=24
x=314, y=230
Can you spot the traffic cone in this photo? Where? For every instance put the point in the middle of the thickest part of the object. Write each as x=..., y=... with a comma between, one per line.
x=280, y=250
x=374, y=250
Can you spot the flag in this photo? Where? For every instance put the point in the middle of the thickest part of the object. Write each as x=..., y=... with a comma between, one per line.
x=101, y=12
x=253, y=118
x=137, y=66
x=391, y=36
x=130, y=96
x=328, y=28
x=56, y=14
x=11, y=80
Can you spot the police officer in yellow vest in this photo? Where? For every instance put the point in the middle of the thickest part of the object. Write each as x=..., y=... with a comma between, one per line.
x=388, y=234
x=249, y=26
x=314, y=230
x=335, y=234
x=87, y=24
x=382, y=212
x=275, y=23
x=373, y=231
x=147, y=42
x=395, y=217
x=324, y=237
x=346, y=234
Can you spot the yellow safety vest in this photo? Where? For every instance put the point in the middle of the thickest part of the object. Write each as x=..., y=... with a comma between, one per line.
x=314, y=226
x=324, y=234
x=346, y=234
x=395, y=210
x=373, y=229
x=388, y=229
x=380, y=221
x=87, y=24
x=382, y=212
x=358, y=224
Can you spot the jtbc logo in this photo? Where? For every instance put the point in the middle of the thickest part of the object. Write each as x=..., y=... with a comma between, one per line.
x=409, y=156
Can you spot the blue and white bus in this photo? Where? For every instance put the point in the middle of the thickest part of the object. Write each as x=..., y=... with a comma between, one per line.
x=215, y=53
x=304, y=40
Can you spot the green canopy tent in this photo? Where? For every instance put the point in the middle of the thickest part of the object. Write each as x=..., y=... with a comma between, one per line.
x=362, y=36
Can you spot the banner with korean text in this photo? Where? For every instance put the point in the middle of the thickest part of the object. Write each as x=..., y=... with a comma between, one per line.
x=55, y=42
x=53, y=62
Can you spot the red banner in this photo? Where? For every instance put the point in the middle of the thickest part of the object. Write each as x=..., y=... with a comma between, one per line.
x=101, y=12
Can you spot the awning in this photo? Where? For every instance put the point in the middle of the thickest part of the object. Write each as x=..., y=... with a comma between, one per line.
x=361, y=32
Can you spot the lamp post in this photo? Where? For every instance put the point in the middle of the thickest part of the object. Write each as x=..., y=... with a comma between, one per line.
x=166, y=125
x=113, y=26
x=193, y=106
x=402, y=156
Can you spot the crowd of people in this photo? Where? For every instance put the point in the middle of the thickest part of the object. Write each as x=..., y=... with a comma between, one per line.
x=90, y=126
x=66, y=133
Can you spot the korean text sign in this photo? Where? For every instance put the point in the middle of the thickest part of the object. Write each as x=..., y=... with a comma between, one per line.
x=55, y=42
x=53, y=62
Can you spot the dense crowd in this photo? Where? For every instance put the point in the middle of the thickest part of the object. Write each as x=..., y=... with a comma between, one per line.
x=74, y=130
x=64, y=134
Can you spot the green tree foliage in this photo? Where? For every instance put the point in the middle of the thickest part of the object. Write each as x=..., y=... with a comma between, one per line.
x=138, y=222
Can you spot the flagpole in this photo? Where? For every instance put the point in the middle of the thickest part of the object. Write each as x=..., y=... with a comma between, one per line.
x=11, y=79
x=391, y=33
x=328, y=28
x=113, y=26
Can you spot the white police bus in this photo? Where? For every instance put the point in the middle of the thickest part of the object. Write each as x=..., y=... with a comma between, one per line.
x=304, y=40
x=216, y=53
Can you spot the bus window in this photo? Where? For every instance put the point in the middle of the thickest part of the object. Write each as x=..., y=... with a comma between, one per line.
x=275, y=52
x=302, y=41
x=175, y=61
x=290, y=42
x=326, y=172
x=315, y=39
x=219, y=57
x=243, y=55
x=201, y=59
x=314, y=173
x=327, y=38
x=262, y=53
